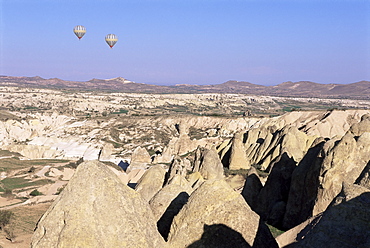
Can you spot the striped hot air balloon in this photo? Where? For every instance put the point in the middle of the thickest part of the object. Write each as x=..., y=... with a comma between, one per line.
x=111, y=39
x=79, y=31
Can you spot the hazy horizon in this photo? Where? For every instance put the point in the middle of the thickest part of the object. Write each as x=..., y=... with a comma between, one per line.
x=200, y=42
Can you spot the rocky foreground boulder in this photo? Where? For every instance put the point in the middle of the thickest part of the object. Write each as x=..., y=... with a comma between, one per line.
x=97, y=210
x=344, y=224
x=217, y=216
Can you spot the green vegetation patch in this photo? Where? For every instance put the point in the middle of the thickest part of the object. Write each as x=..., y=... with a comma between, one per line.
x=14, y=163
x=21, y=182
x=35, y=192
x=274, y=231
x=6, y=153
x=291, y=108
x=121, y=111
x=243, y=172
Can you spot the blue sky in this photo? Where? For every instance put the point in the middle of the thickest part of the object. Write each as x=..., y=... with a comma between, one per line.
x=188, y=41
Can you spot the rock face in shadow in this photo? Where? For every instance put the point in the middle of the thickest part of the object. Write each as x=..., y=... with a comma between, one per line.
x=304, y=187
x=151, y=182
x=208, y=163
x=97, y=210
x=168, y=202
x=272, y=199
x=216, y=203
x=318, y=178
x=344, y=224
x=252, y=188
x=364, y=178
x=173, y=208
x=220, y=235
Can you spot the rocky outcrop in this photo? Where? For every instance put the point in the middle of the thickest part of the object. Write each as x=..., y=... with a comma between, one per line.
x=364, y=178
x=344, y=163
x=106, y=152
x=238, y=158
x=345, y=223
x=263, y=145
x=97, y=210
x=304, y=185
x=34, y=151
x=168, y=201
x=292, y=133
x=140, y=156
x=151, y=182
x=316, y=123
x=178, y=167
x=272, y=199
x=195, y=179
x=361, y=127
x=72, y=146
x=208, y=163
x=216, y=214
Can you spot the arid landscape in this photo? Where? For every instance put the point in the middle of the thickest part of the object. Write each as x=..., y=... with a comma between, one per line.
x=113, y=163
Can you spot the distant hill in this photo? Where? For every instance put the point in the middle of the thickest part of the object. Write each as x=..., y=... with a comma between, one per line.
x=359, y=90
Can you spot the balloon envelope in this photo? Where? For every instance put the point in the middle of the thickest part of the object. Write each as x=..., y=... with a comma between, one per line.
x=79, y=31
x=111, y=39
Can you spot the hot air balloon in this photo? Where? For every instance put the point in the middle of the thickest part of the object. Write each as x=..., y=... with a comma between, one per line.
x=79, y=31
x=111, y=39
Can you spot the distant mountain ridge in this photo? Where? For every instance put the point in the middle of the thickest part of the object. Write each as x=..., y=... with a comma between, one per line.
x=358, y=90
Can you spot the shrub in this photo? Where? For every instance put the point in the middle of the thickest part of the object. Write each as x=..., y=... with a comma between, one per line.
x=35, y=193
x=9, y=233
x=59, y=190
x=8, y=193
x=228, y=172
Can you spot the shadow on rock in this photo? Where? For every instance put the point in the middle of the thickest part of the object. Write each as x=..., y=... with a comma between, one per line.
x=220, y=235
x=164, y=223
x=344, y=224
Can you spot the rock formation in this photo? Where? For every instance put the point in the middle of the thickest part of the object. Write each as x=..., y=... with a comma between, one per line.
x=195, y=179
x=97, y=210
x=151, y=182
x=106, y=152
x=208, y=163
x=304, y=185
x=364, y=178
x=214, y=208
x=168, y=201
x=34, y=151
x=345, y=223
x=140, y=157
x=272, y=199
x=177, y=167
x=344, y=163
x=305, y=159
x=252, y=188
x=238, y=157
